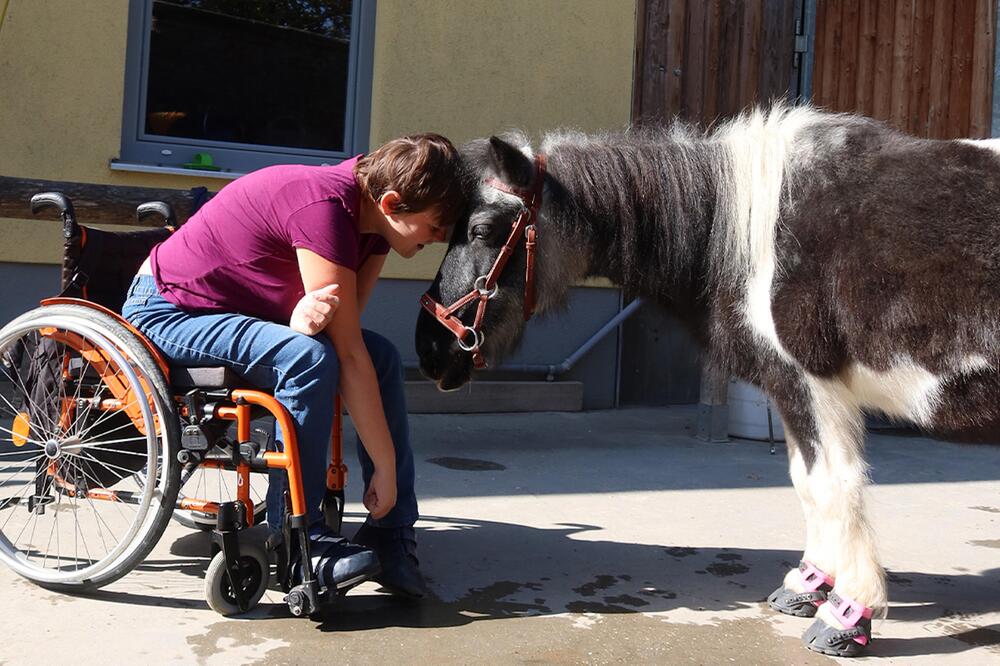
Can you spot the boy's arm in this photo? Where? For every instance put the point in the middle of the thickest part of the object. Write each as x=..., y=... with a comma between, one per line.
x=367, y=276
x=358, y=382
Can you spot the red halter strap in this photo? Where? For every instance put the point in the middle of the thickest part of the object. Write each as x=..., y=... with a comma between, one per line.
x=485, y=286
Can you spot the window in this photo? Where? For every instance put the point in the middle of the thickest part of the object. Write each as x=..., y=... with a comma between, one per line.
x=240, y=84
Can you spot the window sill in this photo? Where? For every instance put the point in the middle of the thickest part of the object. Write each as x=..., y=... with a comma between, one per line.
x=116, y=165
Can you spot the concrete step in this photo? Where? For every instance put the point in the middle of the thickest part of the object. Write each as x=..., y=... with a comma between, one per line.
x=422, y=397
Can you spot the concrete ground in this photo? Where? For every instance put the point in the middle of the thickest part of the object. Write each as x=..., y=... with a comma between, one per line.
x=598, y=537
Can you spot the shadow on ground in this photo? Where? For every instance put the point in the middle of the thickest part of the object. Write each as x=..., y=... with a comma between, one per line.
x=484, y=570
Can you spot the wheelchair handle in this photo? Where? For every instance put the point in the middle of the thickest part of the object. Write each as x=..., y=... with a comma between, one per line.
x=60, y=201
x=161, y=208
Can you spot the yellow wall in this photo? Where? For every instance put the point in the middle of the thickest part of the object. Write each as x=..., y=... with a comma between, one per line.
x=465, y=68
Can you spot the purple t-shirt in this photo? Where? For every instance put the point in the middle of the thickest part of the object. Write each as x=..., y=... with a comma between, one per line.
x=237, y=254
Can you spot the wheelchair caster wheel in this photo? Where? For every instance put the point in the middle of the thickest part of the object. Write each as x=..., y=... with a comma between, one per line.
x=252, y=576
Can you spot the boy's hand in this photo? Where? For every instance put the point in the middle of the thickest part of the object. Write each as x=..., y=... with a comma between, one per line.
x=381, y=494
x=315, y=310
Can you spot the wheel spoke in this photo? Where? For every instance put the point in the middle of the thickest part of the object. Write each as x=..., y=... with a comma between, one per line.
x=96, y=512
x=107, y=415
x=97, y=515
x=81, y=413
x=20, y=498
x=100, y=445
x=28, y=464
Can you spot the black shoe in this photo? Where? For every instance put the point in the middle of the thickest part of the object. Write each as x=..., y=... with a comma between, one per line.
x=337, y=563
x=397, y=553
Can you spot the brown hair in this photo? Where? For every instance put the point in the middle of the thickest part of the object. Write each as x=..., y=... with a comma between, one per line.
x=422, y=168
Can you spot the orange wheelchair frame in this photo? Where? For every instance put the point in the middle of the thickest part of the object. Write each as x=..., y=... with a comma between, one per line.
x=240, y=571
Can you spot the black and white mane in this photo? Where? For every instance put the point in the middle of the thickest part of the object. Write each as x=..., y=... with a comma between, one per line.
x=839, y=264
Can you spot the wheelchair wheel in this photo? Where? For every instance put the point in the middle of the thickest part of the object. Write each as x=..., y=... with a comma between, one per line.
x=88, y=445
x=253, y=576
x=217, y=485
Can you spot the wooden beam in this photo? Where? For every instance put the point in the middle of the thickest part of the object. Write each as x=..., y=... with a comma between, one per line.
x=95, y=204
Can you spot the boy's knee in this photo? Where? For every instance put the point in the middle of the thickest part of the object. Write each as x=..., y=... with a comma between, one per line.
x=385, y=357
x=313, y=358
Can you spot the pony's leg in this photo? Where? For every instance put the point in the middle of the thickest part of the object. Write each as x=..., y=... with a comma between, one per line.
x=836, y=482
x=824, y=433
x=804, y=587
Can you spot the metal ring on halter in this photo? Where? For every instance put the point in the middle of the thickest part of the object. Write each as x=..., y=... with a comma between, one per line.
x=477, y=336
x=482, y=290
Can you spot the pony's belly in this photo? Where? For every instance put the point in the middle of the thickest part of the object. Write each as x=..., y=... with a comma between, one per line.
x=962, y=405
x=906, y=391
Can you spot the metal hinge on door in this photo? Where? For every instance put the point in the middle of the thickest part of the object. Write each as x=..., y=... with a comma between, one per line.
x=801, y=41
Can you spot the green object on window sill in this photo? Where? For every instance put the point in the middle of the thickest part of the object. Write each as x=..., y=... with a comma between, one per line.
x=202, y=161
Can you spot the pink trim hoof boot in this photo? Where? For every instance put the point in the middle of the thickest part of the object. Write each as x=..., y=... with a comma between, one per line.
x=802, y=604
x=850, y=641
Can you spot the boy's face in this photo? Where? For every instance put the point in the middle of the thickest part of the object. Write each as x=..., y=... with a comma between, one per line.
x=411, y=232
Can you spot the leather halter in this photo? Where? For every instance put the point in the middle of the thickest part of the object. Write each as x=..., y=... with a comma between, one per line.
x=485, y=286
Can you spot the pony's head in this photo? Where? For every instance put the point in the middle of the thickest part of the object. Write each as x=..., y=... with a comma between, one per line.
x=500, y=177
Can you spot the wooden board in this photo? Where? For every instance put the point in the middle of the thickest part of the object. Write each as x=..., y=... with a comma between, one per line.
x=925, y=66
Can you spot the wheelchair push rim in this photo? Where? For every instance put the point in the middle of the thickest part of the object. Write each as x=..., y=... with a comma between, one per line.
x=82, y=483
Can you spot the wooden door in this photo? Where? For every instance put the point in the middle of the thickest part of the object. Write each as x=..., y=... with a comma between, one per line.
x=925, y=66
x=708, y=59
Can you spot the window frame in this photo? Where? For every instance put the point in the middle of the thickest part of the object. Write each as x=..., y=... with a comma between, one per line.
x=139, y=150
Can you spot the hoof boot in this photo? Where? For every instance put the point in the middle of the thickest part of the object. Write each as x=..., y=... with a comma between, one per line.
x=799, y=604
x=851, y=642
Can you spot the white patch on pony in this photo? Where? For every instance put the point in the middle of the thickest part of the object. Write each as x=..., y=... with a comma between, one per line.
x=836, y=481
x=973, y=363
x=989, y=144
x=759, y=150
x=906, y=390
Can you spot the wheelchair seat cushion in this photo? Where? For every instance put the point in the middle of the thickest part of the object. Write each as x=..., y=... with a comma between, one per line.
x=214, y=377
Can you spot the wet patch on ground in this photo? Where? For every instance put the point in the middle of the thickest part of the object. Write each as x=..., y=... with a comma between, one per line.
x=627, y=600
x=965, y=627
x=681, y=551
x=986, y=543
x=467, y=464
x=615, y=638
x=601, y=582
x=728, y=564
x=981, y=637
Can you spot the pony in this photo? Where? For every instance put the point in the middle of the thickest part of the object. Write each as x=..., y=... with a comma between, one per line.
x=842, y=266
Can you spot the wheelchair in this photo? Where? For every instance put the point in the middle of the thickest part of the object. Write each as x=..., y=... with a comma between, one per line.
x=102, y=442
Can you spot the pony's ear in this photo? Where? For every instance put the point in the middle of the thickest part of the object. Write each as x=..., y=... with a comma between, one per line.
x=511, y=164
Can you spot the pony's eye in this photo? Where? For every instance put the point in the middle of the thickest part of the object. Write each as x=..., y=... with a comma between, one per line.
x=481, y=231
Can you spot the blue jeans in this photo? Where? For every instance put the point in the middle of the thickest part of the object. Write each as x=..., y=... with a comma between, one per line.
x=302, y=372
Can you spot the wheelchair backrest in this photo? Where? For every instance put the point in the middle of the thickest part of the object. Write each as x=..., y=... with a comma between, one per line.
x=99, y=265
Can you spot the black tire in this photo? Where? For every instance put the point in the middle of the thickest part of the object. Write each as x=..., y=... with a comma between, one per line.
x=255, y=574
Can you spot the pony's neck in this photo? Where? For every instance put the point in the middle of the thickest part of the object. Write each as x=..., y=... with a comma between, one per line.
x=641, y=204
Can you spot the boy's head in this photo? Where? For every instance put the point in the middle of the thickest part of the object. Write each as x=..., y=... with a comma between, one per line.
x=423, y=169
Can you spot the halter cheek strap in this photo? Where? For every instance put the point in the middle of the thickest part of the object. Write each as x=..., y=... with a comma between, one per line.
x=471, y=338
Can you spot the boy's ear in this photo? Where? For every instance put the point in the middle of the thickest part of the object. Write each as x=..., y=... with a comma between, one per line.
x=389, y=202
